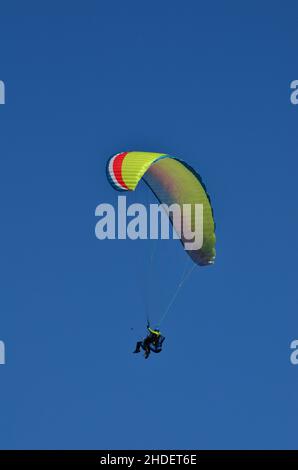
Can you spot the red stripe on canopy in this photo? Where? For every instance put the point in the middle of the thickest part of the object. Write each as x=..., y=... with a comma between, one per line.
x=117, y=169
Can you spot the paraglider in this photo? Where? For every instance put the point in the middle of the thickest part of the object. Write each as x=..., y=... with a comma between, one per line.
x=174, y=183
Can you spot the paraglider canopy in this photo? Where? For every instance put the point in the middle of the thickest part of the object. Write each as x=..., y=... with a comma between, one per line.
x=173, y=182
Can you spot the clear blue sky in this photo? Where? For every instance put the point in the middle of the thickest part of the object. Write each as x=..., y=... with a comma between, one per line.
x=207, y=81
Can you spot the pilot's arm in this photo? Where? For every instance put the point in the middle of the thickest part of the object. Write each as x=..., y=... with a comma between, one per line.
x=153, y=332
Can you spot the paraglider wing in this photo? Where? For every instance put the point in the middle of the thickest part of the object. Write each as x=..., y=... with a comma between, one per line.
x=173, y=182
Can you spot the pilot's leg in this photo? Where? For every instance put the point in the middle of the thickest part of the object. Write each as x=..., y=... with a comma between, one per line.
x=138, y=347
x=147, y=353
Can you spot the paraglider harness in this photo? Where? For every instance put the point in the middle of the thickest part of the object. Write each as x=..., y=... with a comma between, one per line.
x=156, y=340
x=152, y=343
